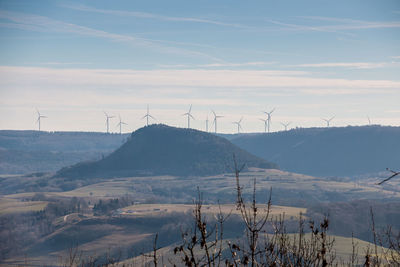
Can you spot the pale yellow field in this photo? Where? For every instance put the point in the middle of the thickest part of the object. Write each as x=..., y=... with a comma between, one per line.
x=9, y=205
x=155, y=209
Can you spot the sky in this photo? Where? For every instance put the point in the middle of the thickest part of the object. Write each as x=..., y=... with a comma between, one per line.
x=75, y=60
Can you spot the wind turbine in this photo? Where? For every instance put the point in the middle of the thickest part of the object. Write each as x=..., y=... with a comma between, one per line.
x=108, y=120
x=285, y=125
x=328, y=121
x=120, y=124
x=265, y=124
x=239, y=126
x=215, y=120
x=269, y=118
x=189, y=115
x=39, y=116
x=147, y=116
x=369, y=120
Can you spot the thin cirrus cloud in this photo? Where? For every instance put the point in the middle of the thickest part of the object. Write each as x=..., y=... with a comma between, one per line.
x=341, y=24
x=352, y=24
x=146, y=15
x=44, y=24
x=351, y=65
x=125, y=78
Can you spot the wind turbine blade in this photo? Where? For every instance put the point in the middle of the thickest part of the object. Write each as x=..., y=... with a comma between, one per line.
x=214, y=113
x=191, y=116
x=152, y=117
x=144, y=116
x=387, y=179
x=190, y=109
x=272, y=111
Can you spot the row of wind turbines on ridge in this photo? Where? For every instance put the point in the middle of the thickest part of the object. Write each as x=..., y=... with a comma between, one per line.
x=147, y=116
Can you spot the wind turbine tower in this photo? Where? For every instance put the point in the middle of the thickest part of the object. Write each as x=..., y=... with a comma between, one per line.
x=265, y=124
x=207, y=124
x=369, y=120
x=39, y=117
x=328, y=121
x=147, y=116
x=215, y=120
x=189, y=115
x=108, y=121
x=239, y=126
x=120, y=124
x=285, y=125
x=269, y=118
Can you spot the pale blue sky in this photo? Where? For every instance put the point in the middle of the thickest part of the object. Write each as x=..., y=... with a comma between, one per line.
x=309, y=59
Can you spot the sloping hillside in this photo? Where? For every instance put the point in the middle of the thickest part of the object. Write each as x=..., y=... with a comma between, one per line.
x=335, y=151
x=160, y=149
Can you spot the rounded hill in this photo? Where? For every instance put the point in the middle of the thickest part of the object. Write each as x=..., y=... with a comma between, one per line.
x=160, y=149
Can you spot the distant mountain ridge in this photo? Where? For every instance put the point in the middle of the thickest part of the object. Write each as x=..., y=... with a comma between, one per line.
x=160, y=149
x=333, y=151
x=29, y=151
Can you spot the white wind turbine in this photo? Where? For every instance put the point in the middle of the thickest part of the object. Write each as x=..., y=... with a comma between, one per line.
x=147, y=116
x=189, y=115
x=328, y=121
x=265, y=124
x=215, y=120
x=239, y=126
x=269, y=118
x=108, y=120
x=369, y=120
x=120, y=124
x=285, y=125
x=39, y=117
x=207, y=124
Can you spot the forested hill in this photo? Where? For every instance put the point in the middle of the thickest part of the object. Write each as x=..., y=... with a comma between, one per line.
x=160, y=149
x=334, y=151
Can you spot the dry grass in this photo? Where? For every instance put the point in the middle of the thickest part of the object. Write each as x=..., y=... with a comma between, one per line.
x=158, y=209
x=9, y=205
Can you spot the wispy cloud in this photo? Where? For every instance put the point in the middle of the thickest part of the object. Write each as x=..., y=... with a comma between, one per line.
x=338, y=25
x=351, y=65
x=146, y=15
x=244, y=80
x=351, y=24
x=219, y=65
x=44, y=24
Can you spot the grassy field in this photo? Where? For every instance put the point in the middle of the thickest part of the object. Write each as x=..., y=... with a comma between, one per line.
x=288, y=189
x=11, y=205
x=159, y=209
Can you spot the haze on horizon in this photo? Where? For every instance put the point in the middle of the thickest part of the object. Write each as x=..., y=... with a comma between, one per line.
x=310, y=60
